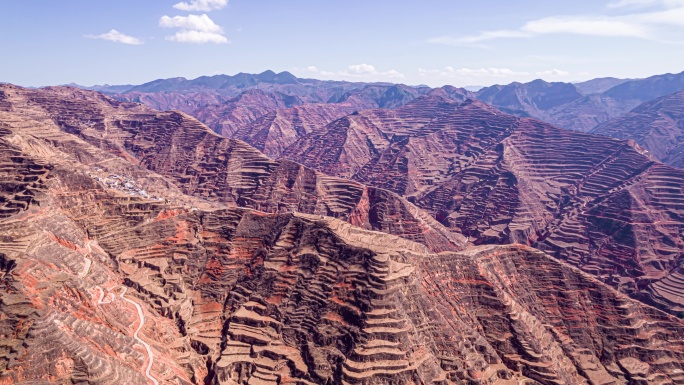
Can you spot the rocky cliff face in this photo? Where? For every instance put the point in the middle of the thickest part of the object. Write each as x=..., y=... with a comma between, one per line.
x=596, y=202
x=657, y=126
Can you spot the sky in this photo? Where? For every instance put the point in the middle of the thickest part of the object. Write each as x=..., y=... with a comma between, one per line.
x=433, y=42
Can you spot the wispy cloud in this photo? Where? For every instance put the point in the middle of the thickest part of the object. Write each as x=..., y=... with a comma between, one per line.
x=362, y=71
x=116, y=37
x=197, y=29
x=484, y=36
x=451, y=72
x=645, y=19
x=553, y=73
x=645, y=3
x=201, y=5
x=585, y=26
x=486, y=75
x=673, y=17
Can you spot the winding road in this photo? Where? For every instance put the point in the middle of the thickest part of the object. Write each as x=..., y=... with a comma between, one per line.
x=89, y=262
x=141, y=315
x=110, y=298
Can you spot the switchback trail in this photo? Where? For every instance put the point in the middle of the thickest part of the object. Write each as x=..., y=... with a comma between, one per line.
x=141, y=316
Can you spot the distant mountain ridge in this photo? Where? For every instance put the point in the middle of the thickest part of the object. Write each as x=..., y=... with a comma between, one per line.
x=581, y=106
x=598, y=203
x=138, y=246
x=599, y=85
x=576, y=106
x=240, y=80
x=657, y=126
x=104, y=88
x=226, y=103
x=218, y=82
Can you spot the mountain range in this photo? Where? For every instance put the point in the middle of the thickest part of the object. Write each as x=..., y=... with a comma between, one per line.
x=582, y=106
x=657, y=125
x=267, y=229
x=227, y=102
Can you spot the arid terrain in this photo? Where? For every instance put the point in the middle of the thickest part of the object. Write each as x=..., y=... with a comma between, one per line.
x=601, y=204
x=226, y=103
x=140, y=247
x=657, y=126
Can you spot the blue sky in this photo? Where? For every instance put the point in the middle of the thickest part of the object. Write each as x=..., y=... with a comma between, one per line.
x=434, y=42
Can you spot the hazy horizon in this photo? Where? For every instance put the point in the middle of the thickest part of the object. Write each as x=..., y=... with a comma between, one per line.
x=436, y=43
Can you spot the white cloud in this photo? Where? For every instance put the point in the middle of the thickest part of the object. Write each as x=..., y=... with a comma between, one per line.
x=362, y=69
x=451, y=72
x=366, y=72
x=202, y=23
x=465, y=76
x=484, y=36
x=645, y=3
x=116, y=37
x=585, y=26
x=201, y=5
x=197, y=29
x=644, y=19
x=553, y=72
x=198, y=37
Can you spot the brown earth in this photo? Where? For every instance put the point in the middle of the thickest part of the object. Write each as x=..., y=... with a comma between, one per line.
x=582, y=106
x=204, y=164
x=230, y=106
x=657, y=126
x=598, y=203
x=232, y=295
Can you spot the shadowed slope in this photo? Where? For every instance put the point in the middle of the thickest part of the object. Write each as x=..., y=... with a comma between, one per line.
x=596, y=202
x=204, y=164
x=236, y=296
x=582, y=106
x=658, y=126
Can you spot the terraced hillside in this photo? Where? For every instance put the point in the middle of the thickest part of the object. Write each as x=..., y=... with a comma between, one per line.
x=270, y=111
x=226, y=103
x=270, y=128
x=275, y=131
x=204, y=164
x=583, y=106
x=657, y=126
x=111, y=274
x=595, y=202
